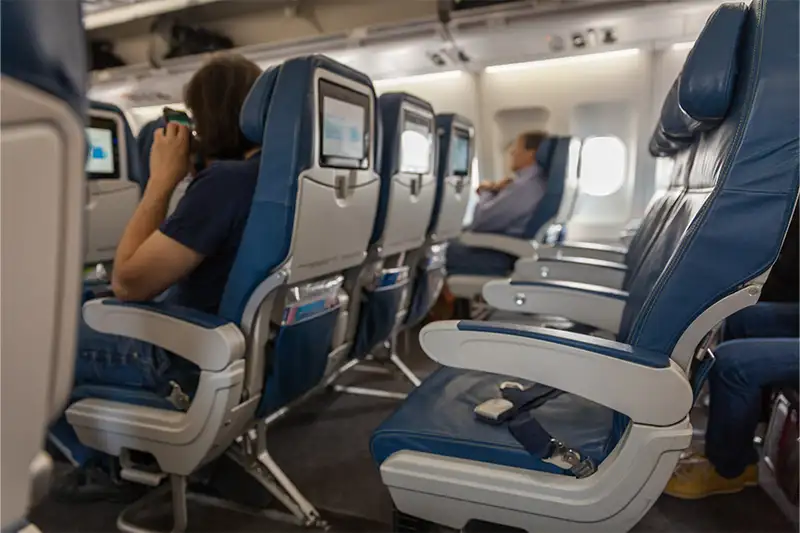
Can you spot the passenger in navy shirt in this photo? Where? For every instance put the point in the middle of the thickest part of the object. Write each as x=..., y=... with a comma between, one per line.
x=191, y=251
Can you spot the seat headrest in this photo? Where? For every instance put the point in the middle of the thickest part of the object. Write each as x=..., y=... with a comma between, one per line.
x=253, y=116
x=709, y=75
x=39, y=40
x=671, y=134
x=544, y=154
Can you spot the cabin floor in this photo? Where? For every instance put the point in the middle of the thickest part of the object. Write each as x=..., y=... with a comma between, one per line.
x=324, y=449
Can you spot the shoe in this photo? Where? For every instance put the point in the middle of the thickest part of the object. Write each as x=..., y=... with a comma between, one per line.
x=92, y=484
x=696, y=478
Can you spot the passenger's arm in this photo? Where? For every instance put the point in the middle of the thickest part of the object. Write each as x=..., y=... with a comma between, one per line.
x=498, y=213
x=147, y=262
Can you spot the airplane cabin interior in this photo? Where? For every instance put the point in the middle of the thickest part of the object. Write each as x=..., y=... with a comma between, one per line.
x=510, y=265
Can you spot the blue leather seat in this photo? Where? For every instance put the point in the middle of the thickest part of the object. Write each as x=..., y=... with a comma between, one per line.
x=251, y=364
x=455, y=146
x=400, y=226
x=144, y=144
x=611, y=266
x=737, y=93
x=438, y=418
x=44, y=84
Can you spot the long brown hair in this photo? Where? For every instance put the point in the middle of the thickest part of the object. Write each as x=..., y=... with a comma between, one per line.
x=215, y=95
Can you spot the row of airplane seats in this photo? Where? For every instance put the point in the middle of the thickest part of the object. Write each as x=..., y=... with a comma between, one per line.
x=612, y=419
x=344, y=248
x=283, y=326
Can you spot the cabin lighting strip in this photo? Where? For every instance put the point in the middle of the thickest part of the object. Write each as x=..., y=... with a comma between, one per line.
x=562, y=60
x=434, y=76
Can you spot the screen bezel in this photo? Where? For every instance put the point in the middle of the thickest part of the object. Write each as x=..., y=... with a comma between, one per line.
x=463, y=134
x=421, y=119
x=112, y=125
x=334, y=90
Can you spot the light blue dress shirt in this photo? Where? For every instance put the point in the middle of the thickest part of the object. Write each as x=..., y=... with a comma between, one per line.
x=508, y=211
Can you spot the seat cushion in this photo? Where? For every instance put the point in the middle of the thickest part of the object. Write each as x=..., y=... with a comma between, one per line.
x=437, y=418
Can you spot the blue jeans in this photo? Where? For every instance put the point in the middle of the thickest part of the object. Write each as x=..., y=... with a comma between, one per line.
x=466, y=260
x=764, y=320
x=118, y=368
x=743, y=368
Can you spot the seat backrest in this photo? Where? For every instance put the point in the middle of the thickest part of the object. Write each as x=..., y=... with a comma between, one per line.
x=144, y=144
x=553, y=157
x=738, y=93
x=43, y=92
x=407, y=172
x=556, y=232
x=676, y=144
x=113, y=173
x=453, y=176
x=317, y=189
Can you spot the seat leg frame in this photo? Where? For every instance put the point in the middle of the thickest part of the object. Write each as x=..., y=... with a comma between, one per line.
x=252, y=455
x=391, y=346
x=180, y=516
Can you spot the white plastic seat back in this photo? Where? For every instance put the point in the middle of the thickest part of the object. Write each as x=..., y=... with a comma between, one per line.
x=43, y=93
x=408, y=179
x=112, y=170
x=454, y=172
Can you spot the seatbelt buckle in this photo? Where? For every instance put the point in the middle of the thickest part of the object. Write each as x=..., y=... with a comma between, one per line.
x=494, y=411
x=560, y=455
x=179, y=399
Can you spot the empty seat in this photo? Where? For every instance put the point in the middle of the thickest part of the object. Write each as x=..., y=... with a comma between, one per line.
x=379, y=288
x=43, y=90
x=738, y=93
x=456, y=148
x=572, y=267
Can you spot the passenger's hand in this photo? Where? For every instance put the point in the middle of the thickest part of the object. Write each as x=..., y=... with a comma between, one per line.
x=485, y=186
x=169, y=157
x=502, y=184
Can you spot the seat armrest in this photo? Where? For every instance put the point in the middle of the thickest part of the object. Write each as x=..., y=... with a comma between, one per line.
x=208, y=341
x=641, y=384
x=592, y=305
x=500, y=243
x=588, y=250
x=577, y=269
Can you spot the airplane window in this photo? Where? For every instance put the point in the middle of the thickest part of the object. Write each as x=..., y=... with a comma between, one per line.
x=603, y=161
x=664, y=166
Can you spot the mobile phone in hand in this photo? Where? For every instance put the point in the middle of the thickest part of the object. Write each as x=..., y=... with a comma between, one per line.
x=179, y=117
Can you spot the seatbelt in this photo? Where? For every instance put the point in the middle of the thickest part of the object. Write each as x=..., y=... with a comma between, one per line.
x=516, y=407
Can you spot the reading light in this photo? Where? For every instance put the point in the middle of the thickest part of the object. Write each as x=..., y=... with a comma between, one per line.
x=683, y=46
x=562, y=60
x=434, y=76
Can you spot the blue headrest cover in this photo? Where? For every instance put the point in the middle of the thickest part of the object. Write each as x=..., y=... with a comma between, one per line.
x=544, y=154
x=671, y=134
x=708, y=78
x=253, y=116
x=43, y=44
